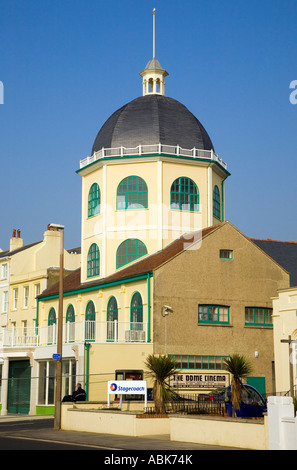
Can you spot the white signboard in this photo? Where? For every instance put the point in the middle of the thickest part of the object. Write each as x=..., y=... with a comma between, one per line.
x=127, y=387
x=199, y=380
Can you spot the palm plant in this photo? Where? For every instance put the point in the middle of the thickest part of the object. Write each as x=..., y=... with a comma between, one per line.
x=239, y=367
x=160, y=368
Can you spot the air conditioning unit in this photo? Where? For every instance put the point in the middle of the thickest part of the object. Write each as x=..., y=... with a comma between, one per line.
x=132, y=336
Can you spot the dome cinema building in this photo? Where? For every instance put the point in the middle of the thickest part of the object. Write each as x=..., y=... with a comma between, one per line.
x=161, y=270
x=153, y=175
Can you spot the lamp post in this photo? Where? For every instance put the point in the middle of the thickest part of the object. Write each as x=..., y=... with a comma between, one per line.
x=57, y=420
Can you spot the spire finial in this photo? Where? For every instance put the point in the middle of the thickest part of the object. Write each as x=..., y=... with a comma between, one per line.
x=154, y=29
x=153, y=75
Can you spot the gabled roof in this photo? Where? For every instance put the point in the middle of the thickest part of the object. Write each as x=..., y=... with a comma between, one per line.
x=4, y=254
x=284, y=253
x=141, y=267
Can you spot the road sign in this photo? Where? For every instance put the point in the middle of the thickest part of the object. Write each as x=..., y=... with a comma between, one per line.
x=57, y=356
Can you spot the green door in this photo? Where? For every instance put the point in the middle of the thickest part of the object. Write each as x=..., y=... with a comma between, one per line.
x=19, y=380
x=259, y=383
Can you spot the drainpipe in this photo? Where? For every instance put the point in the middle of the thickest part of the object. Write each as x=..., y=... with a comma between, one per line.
x=37, y=317
x=223, y=199
x=149, y=306
x=87, y=348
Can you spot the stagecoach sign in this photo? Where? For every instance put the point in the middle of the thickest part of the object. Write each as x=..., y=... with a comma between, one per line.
x=126, y=387
x=196, y=381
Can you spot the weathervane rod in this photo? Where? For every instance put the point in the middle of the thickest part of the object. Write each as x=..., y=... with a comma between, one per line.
x=154, y=16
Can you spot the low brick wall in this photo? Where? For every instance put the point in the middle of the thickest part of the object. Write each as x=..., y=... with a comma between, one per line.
x=226, y=432
x=112, y=422
x=217, y=431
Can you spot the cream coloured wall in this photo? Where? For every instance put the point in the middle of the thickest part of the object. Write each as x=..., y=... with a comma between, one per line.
x=158, y=225
x=285, y=325
x=29, y=272
x=105, y=357
x=4, y=290
x=122, y=292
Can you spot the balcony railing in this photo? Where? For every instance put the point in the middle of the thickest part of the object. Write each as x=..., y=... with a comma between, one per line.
x=160, y=149
x=75, y=332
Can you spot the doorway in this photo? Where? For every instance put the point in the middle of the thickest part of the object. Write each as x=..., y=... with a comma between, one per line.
x=19, y=383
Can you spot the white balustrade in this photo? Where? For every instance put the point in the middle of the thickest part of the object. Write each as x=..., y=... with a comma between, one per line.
x=153, y=149
x=75, y=332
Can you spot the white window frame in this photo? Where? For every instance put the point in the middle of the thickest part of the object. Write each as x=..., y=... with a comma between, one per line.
x=15, y=298
x=5, y=302
x=4, y=271
x=26, y=296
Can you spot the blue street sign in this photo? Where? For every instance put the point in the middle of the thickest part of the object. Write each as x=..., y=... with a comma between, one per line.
x=57, y=356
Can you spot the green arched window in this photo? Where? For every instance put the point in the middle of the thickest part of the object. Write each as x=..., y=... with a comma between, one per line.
x=184, y=195
x=132, y=193
x=216, y=202
x=136, y=312
x=51, y=321
x=70, y=323
x=112, y=316
x=93, y=266
x=51, y=317
x=130, y=250
x=70, y=314
x=90, y=320
x=94, y=200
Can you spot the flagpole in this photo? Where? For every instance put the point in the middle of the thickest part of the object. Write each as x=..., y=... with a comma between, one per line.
x=154, y=20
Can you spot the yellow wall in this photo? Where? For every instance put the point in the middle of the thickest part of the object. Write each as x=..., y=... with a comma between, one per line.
x=285, y=325
x=123, y=294
x=29, y=268
x=156, y=226
x=105, y=357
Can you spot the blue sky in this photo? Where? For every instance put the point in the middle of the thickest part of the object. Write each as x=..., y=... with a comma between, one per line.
x=67, y=65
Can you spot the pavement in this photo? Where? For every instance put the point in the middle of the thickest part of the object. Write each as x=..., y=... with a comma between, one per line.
x=105, y=442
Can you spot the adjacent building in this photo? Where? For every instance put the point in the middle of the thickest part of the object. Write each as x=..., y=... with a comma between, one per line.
x=26, y=270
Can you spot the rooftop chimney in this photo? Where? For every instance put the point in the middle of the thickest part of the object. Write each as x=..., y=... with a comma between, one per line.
x=16, y=241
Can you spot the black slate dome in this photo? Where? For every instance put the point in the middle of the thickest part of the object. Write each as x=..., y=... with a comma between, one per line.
x=152, y=119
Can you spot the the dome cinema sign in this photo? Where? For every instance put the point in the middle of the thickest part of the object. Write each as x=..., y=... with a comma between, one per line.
x=196, y=381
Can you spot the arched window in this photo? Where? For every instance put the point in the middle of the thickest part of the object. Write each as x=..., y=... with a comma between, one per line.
x=94, y=200
x=158, y=85
x=51, y=317
x=132, y=193
x=112, y=316
x=184, y=195
x=136, y=313
x=90, y=319
x=51, y=321
x=93, y=267
x=216, y=203
x=70, y=323
x=70, y=315
x=130, y=250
